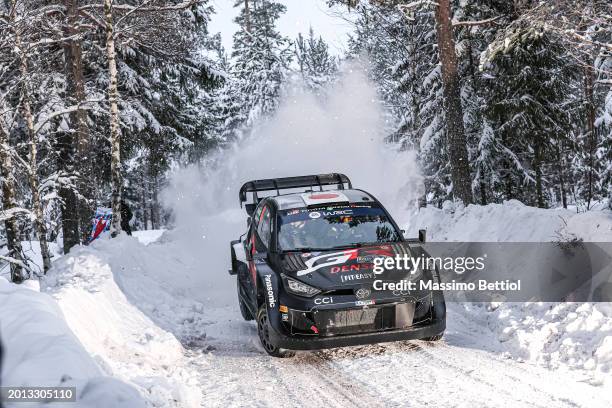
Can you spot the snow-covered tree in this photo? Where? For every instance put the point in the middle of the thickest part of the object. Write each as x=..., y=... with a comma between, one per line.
x=526, y=99
x=317, y=66
x=261, y=59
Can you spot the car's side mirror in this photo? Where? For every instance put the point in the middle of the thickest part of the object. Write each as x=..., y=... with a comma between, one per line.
x=248, y=247
x=422, y=235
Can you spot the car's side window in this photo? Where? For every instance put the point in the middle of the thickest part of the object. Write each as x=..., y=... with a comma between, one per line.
x=257, y=215
x=264, y=226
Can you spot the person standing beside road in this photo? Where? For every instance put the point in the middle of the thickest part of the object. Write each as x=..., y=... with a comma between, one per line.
x=126, y=217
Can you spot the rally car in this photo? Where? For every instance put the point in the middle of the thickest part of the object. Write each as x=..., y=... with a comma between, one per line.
x=305, y=268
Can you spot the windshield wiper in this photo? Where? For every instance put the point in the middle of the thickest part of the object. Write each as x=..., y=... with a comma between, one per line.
x=306, y=249
x=348, y=246
x=333, y=248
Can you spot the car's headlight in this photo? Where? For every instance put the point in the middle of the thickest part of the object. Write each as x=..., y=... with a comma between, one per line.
x=299, y=288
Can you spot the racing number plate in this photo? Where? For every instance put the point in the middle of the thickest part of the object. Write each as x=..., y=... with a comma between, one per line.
x=361, y=317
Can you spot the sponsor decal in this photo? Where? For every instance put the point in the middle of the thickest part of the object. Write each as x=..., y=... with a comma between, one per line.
x=268, y=280
x=356, y=277
x=324, y=301
x=365, y=259
x=336, y=212
x=284, y=317
x=330, y=213
x=362, y=293
x=365, y=302
x=351, y=268
x=325, y=260
x=325, y=196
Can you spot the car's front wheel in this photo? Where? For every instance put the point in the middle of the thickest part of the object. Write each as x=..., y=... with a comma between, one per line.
x=433, y=338
x=263, y=329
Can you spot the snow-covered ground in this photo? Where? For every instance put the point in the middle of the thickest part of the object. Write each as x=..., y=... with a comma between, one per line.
x=41, y=350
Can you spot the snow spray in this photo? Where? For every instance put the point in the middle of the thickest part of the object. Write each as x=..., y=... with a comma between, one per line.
x=343, y=132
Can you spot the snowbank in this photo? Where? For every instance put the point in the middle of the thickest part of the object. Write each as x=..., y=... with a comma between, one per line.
x=40, y=350
x=109, y=293
x=511, y=221
x=557, y=335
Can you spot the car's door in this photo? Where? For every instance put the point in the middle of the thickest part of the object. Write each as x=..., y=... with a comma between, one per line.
x=258, y=242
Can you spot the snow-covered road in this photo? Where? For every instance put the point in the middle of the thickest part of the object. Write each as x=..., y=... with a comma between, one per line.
x=456, y=372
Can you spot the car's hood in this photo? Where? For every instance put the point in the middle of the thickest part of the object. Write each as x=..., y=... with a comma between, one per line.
x=341, y=268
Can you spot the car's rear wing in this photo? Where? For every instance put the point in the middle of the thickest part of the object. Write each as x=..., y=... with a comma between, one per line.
x=284, y=183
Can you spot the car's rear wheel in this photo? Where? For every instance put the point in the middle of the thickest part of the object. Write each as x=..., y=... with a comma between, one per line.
x=244, y=310
x=263, y=329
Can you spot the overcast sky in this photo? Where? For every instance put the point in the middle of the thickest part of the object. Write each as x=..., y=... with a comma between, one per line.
x=301, y=14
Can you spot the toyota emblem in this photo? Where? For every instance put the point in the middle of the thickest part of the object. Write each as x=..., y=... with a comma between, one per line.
x=362, y=293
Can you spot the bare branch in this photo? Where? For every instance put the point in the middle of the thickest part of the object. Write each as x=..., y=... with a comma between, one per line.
x=476, y=23
x=125, y=7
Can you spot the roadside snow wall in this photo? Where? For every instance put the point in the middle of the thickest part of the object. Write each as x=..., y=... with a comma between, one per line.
x=91, y=286
x=557, y=335
x=41, y=350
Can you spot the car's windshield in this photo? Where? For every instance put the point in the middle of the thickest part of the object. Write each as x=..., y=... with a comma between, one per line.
x=331, y=227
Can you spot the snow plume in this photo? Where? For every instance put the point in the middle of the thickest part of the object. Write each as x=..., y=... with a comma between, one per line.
x=343, y=134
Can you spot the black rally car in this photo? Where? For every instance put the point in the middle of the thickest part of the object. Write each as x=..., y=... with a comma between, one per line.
x=305, y=268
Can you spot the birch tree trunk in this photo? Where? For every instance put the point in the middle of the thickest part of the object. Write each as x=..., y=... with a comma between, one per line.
x=537, y=165
x=456, y=141
x=591, y=135
x=9, y=202
x=26, y=108
x=113, y=95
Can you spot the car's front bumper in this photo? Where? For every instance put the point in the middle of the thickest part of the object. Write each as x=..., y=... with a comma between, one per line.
x=425, y=322
x=292, y=342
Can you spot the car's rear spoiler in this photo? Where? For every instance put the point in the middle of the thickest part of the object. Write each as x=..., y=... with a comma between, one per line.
x=278, y=184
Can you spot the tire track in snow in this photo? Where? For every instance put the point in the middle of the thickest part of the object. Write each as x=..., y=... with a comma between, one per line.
x=337, y=387
x=236, y=372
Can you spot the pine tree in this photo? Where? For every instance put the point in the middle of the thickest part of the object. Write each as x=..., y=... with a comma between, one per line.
x=261, y=58
x=526, y=80
x=317, y=67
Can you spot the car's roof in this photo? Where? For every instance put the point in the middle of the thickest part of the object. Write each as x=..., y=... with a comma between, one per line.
x=315, y=197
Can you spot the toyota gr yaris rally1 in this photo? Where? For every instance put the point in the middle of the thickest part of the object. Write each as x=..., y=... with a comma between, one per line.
x=305, y=268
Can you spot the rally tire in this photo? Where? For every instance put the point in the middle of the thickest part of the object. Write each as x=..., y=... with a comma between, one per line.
x=433, y=338
x=244, y=310
x=263, y=330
